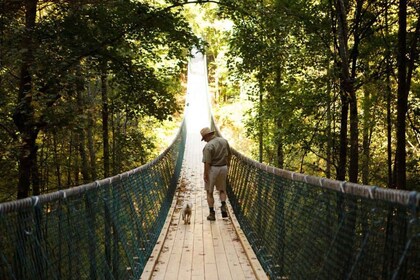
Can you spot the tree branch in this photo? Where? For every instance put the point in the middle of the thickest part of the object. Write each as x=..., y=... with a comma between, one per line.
x=10, y=132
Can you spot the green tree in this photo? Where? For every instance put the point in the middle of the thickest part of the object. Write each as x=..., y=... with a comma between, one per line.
x=58, y=47
x=324, y=50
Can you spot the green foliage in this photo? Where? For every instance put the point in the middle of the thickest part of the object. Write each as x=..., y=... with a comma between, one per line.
x=286, y=52
x=141, y=50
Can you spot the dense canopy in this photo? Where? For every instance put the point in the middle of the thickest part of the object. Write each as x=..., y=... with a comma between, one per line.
x=333, y=86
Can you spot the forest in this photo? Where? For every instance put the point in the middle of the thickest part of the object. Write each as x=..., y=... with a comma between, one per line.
x=90, y=89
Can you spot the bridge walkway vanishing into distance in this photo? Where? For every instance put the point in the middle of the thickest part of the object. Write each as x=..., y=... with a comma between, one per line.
x=282, y=225
x=202, y=249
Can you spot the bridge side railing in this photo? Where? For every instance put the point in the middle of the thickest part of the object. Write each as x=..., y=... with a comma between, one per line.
x=304, y=227
x=307, y=227
x=103, y=230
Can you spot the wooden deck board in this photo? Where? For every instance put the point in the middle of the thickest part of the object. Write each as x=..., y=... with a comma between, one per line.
x=203, y=249
x=198, y=243
x=223, y=267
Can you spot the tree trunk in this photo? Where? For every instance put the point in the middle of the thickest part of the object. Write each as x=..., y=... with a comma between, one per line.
x=105, y=125
x=388, y=104
x=76, y=160
x=279, y=123
x=280, y=152
x=260, y=121
x=389, y=131
x=114, y=124
x=354, y=139
x=344, y=81
x=24, y=117
x=341, y=169
x=347, y=86
x=354, y=118
x=347, y=208
x=366, y=138
x=36, y=180
x=328, y=132
x=82, y=138
x=91, y=148
x=83, y=156
x=402, y=98
x=56, y=161
x=70, y=160
x=42, y=157
x=117, y=123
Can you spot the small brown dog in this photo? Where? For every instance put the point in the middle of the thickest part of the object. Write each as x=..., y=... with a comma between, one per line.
x=186, y=213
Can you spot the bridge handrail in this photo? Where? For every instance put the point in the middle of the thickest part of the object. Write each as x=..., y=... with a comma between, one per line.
x=403, y=197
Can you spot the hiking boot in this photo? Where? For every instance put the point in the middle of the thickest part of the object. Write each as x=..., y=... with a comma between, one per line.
x=224, y=212
x=212, y=216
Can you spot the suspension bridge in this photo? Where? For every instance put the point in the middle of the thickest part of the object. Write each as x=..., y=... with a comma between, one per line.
x=281, y=224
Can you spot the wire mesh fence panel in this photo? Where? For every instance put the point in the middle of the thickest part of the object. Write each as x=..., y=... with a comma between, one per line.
x=103, y=230
x=300, y=227
x=304, y=227
x=307, y=227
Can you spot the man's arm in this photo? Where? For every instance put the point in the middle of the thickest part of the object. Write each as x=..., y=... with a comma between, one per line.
x=206, y=172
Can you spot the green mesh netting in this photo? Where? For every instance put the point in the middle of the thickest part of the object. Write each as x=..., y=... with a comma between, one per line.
x=103, y=230
x=300, y=227
x=304, y=227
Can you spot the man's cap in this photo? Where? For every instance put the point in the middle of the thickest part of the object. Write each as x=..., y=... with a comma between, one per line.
x=204, y=132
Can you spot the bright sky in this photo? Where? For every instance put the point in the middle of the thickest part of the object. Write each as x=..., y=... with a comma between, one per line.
x=197, y=111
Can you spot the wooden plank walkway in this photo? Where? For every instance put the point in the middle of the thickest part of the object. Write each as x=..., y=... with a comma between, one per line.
x=202, y=249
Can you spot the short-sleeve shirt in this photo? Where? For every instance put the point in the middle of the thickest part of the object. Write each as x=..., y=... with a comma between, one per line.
x=216, y=151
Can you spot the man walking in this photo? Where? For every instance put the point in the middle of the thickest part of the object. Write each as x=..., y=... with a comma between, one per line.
x=216, y=159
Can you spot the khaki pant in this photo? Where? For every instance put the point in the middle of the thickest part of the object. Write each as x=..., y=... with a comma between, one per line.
x=217, y=177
